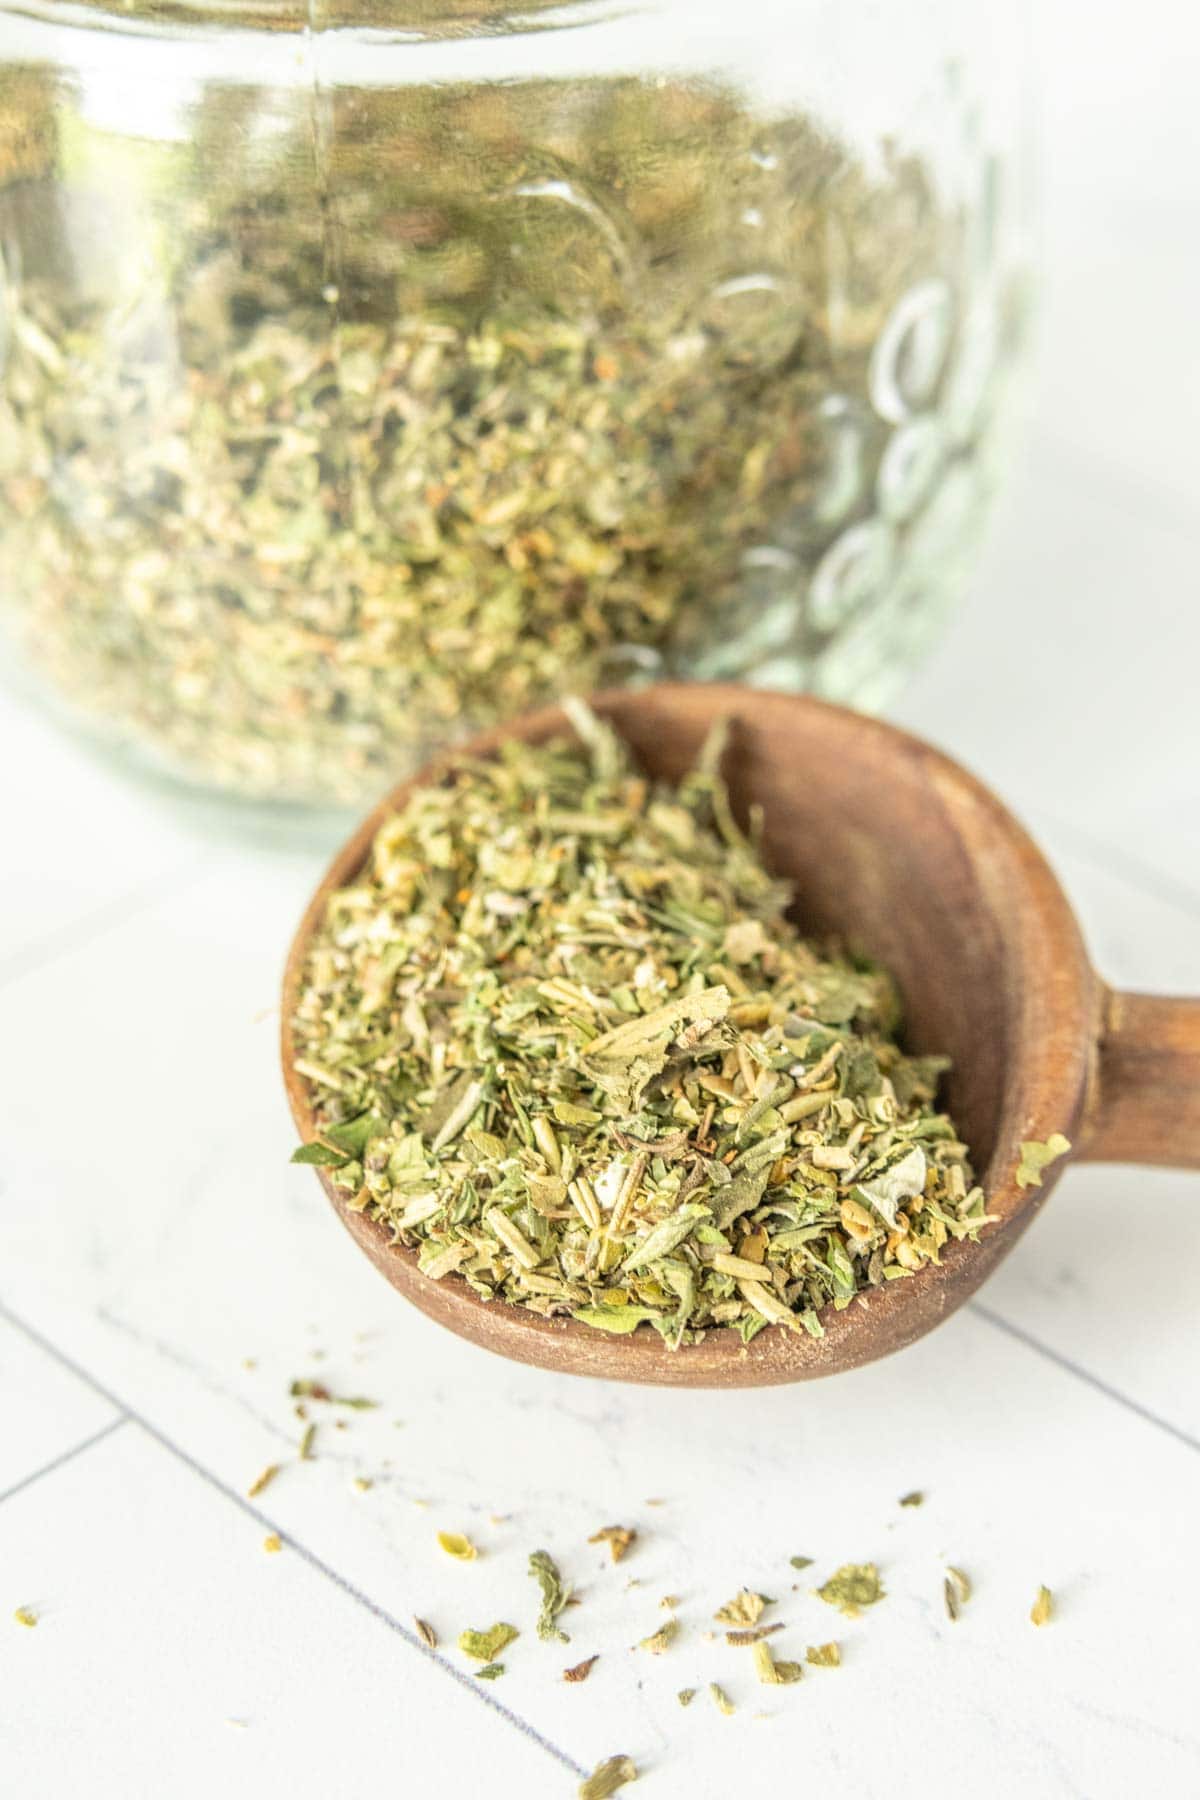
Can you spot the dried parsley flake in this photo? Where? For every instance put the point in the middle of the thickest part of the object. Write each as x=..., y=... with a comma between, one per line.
x=607, y=1777
x=1042, y=1610
x=556, y=1595
x=854, y=1586
x=485, y=1646
x=1036, y=1158
x=456, y=1545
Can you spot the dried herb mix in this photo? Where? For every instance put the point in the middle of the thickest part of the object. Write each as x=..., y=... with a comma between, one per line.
x=521, y=385
x=563, y=1041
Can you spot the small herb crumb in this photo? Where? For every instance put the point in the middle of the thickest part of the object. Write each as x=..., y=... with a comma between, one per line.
x=660, y=1640
x=455, y=1544
x=916, y=1498
x=489, y=1672
x=485, y=1646
x=824, y=1656
x=316, y=1390
x=261, y=1481
x=555, y=1595
x=272, y=1543
x=1037, y=1157
x=619, y=1538
x=306, y=1443
x=26, y=1616
x=426, y=1633
x=745, y=1608
x=362, y=1484
x=685, y=1696
x=772, y=1673
x=607, y=1777
x=956, y=1590
x=721, y=1699
x=751, y=1634
x=854, y=1586
x=669, y=1602
x=1042, y=1610
x=801, y=1562
x=581, y=1670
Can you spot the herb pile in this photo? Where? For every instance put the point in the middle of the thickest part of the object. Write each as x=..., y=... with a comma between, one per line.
x=562, y=1039
x=436, y=399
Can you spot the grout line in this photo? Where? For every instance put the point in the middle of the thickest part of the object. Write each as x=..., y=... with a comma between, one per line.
x=130, y=1415
x=1081, y=1374
x=113, y=913
x=67, y=1456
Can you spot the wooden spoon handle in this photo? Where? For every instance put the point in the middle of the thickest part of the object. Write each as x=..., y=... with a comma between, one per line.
x=1145, y=1104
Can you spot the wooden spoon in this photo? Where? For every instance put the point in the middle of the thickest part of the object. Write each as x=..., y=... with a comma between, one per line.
x=899, y=851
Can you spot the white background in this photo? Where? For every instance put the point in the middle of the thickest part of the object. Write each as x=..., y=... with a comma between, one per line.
x=153, y=1238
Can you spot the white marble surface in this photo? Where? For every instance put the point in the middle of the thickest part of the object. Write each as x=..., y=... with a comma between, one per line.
x=153, y=1240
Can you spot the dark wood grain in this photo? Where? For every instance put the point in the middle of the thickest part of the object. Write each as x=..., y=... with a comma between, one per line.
x=896, y=849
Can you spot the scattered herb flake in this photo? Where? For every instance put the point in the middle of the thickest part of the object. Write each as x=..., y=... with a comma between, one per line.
x=746, y=1608
x=685, y=1696
x=619, y=1538
x=1036, y=1157
x=456, y=1545
x=272, y=1543
x=956, y=1590
x=662, y=1639
x=721, y=1699
x=490, y=1672
x=306, y=1443
x=801, y=1562
x=607, y=1777
x=485, y=1646
x=581, y=1670
x=263, y=1480
x=1042, y=1610
x=772, y=1673
x=426, y=1633
x=316, y=1390
x=854, y=1586
x=26, y=1616
x=555, y=1596
x=752, y=1634
x=824, y=1656
x=916, y=1498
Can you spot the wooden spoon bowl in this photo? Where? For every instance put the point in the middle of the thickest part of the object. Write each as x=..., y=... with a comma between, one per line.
x=905, y=856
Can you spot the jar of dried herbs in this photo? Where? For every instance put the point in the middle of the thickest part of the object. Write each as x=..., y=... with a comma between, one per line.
x=371, y=372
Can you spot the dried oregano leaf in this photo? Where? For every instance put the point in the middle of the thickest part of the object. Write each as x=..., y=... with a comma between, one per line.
x=824, y=1656
x=916, y=1498
x=772, y=1673
x=721, y=1699
x=490, y=1672
x=555, y=1595
x=26, y=1616
x=662, y=1639
x=854, y=1586
x=485, y=1646
x=619, y=1538
x=607, y=1777
x=1037, y=1157
x=745, y=1608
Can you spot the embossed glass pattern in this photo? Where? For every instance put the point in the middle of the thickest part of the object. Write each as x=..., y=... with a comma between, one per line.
x=370, y=373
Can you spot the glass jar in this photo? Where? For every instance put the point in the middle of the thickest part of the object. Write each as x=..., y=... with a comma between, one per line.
x=372, y=372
